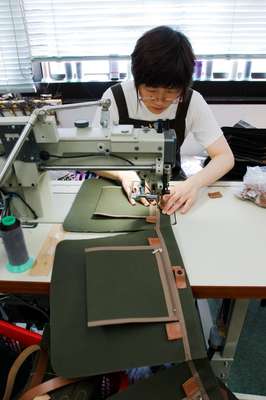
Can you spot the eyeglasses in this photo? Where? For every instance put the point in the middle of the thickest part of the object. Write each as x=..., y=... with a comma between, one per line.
x=161, y=98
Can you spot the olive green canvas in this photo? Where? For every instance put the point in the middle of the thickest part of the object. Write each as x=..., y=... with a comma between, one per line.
x=78, y=350
x=81, y=218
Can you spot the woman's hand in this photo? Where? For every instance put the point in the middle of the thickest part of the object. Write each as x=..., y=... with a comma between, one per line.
x=182, y=195
x=130, y=182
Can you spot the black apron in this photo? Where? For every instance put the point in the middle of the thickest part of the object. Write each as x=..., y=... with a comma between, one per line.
x=178, y=124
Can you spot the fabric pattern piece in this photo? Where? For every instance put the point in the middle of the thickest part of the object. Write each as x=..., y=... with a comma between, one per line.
x=80, y=216
x=113, y=203
x=79, y=351
x=127, y=284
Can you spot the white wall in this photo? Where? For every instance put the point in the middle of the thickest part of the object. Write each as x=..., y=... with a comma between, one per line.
x=228, y=115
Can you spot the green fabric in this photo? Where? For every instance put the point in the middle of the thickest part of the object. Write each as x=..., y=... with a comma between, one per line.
x=80, y=217
x=113, y=203
x=167, y=384
x=139, y=296
x=77, y=350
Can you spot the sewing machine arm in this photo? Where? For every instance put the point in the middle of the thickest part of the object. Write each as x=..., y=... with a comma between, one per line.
x=47, y=147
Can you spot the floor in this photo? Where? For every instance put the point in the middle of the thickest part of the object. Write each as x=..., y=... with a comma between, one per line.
x=248, y=372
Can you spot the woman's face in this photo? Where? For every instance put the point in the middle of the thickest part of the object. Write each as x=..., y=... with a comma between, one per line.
x=158, y=99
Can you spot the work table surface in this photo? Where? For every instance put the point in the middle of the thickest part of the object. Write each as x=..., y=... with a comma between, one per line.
x=222, y=242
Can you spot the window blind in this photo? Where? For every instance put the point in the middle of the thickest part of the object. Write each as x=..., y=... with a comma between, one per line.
x=15, y=58
x=61, y=29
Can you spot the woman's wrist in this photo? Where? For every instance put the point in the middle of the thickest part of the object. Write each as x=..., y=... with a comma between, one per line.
x=129, y=175
x=114, y=175
x=117, y=175
x=195, y=181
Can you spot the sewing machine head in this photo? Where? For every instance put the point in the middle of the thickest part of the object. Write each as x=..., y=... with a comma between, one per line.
x=34, y=145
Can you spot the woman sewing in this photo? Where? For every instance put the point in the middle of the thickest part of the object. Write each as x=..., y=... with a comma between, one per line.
x=162, y=68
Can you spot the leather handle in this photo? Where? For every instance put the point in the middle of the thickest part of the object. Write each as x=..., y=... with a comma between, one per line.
x=15, y=368
x=46, y=387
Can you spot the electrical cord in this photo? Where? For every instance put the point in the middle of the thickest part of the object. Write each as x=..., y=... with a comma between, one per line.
x=7, y=196
x=4, y=204
x=14, y=194
x=45, y=155
x=24, y=302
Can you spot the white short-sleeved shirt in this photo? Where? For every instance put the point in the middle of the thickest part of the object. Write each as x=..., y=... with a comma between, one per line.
x=200, y=120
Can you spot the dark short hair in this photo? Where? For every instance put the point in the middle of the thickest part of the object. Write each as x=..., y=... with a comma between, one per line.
x=163, y=57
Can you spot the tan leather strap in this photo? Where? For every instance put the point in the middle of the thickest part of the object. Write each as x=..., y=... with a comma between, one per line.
x=154, y=241
x=151, y=219
x=182, y=323
x=15, y=368
x=173, y=330
x=45, y=259
x=46, y=387
x=191, y=388
x=180, y=277
x=176, y=295
x=198, y=381
x=40, y=369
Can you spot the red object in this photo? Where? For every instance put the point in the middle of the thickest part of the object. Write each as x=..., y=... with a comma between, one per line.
x=124, y=383
x=23, y=336
x=28, y=338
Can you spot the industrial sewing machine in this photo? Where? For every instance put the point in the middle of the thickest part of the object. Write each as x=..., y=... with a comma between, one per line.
x=33, y=145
